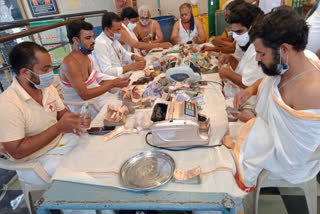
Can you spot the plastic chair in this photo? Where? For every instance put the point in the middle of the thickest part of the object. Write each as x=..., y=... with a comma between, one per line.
x=92, y=102
x=7, y=164
x=309, y=188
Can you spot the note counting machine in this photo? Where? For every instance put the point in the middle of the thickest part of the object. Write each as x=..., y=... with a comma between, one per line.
x=178, y=123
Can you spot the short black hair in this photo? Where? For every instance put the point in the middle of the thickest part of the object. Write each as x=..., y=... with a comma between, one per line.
x=108, y=18
x=74, y=28
x=244, y=14
x=281, y=25
x=23, y=56
x=233, y=4
x=129, y=13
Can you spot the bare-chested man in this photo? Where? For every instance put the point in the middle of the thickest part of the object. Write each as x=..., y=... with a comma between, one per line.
x=187, y=30
x=129, y=40
x=148, y=30
x=79, y=75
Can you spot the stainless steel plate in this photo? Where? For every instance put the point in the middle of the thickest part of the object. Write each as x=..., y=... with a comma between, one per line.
x=147, y=170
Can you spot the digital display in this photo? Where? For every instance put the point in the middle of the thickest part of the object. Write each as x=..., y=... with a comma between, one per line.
x=190, y=109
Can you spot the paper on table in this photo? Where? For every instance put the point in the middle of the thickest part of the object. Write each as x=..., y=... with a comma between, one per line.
x=95, y=162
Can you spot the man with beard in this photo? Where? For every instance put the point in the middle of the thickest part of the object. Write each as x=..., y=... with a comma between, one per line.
x=284, y=137
x=187, y=30
x=80, y=77
x=33, y=117
x=112, y=58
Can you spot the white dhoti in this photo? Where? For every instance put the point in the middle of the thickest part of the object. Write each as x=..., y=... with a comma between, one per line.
x=282, y=140
x=70, y=94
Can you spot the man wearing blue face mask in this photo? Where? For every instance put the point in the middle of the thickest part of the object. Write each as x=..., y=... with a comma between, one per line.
x=80, y=76
x=33, y=117
x=284, y=137
x=129, y=40
x=111, y=57
x=147, y=30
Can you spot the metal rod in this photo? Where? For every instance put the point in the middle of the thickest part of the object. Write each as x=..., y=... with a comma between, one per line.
x=5, y=67
x=37, y=30
x=21, y=24
x=97, y=12
x=61, y=45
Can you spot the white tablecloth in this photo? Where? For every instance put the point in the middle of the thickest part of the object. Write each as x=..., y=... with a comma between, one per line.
x=96, y=162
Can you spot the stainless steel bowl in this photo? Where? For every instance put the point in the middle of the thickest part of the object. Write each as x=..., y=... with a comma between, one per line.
x=147, y=170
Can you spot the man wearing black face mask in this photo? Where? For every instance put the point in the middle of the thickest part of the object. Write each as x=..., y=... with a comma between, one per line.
x=246, y=71
x=284, y=137
x=33, y=117
x=80, y=75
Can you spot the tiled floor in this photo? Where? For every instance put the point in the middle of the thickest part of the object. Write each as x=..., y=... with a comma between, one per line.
x=271, y=201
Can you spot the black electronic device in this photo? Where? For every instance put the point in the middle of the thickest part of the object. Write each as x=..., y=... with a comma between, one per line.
x=100, y=130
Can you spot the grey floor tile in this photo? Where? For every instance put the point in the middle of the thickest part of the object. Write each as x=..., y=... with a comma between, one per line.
x=10, y=195
x=17, y=211
x=5, y=176
x=271, y=204
x=15, y=185
x=291, y=191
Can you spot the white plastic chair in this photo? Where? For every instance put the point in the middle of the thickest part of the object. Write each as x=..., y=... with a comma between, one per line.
x=7, y=164
x=309, y=188
x=92, y=102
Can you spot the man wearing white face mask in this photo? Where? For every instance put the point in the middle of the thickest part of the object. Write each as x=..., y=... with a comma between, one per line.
x=128, y=38
x=148, y=30
x=284, y=137
x=246, y=71
x=111, y=57
x=32, y=114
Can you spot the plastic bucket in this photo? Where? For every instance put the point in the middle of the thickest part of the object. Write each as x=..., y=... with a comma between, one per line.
x=166, y=24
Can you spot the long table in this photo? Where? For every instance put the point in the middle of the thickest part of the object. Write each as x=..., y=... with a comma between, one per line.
x=216, y=192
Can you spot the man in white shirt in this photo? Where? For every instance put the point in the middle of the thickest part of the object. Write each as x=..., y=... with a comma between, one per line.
x=129, y=40
x=111, y=57
x=314, y=31
x=284, y=137
x=240, y=74
x=267, y=5
x=33, y=117
x=246, y=71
